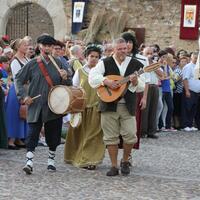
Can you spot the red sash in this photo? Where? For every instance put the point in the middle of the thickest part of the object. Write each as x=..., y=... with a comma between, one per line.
x=44, y=72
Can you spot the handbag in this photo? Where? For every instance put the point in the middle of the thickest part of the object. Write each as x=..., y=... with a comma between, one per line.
x=23, y=111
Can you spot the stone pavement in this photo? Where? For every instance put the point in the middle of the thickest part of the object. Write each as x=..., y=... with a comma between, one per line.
x=164, y=169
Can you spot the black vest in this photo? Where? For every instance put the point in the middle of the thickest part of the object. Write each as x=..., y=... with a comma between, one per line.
x=130, y=98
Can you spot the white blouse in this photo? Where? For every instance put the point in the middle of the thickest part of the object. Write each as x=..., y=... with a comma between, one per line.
x=15, y=66
x=76, y=78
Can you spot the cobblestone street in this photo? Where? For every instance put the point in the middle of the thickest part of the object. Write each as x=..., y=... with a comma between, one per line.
x=167, y=168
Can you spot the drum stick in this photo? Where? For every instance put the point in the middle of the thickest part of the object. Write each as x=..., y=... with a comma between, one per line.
x=54, y=62
x=35, y=97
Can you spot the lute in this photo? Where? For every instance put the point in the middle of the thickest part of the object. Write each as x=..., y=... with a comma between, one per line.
x=107, y=94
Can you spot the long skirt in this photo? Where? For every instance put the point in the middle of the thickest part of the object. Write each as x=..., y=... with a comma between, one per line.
x=3, y=131
x=16, y=127
x=84, y=145
x=138, y=120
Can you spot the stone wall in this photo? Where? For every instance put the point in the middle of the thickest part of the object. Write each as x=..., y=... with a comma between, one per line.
x=38, y=19
x=107, y=18
x=160, y=18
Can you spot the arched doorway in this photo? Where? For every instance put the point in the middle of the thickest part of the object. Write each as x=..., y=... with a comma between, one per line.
x=55, y=8
x=29, y=19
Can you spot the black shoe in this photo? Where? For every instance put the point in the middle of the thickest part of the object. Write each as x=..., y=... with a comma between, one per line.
x=13, y=147
x=20, y=145
x=28, y=169
x=113, y=172
x=51, y=168
x=130, y=161
x=152, y=136
x=90, y=167
x=125, y=170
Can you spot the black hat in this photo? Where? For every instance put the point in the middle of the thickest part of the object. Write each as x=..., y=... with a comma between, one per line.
x=46, y=40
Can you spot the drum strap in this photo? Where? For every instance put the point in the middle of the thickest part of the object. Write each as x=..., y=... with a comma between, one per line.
x=44, y=72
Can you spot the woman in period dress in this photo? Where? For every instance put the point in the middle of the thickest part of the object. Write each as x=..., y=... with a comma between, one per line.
x=84, y=145
x=16, y=127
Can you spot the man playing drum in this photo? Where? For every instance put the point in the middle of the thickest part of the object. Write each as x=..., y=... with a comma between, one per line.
x=41, y=74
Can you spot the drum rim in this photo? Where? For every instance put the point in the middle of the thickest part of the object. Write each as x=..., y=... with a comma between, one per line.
x=69, y=90
x=50, y=91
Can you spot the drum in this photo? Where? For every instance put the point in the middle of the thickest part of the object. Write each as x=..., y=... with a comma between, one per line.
x=63, y=99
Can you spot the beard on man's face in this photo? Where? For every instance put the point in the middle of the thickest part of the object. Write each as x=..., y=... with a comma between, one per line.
x=45, y=51
x=122, y=56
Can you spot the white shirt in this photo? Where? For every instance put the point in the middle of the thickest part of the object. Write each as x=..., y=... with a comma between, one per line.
x=15, y=67
x=144, y=60
x=153, y=78
x=188, y=74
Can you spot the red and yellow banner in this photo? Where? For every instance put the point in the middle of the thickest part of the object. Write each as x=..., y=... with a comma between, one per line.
x=189, y=27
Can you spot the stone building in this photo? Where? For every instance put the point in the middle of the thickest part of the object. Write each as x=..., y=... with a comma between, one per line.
x=154, y=21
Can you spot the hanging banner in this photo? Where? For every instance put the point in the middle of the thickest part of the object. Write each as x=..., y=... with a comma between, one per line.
x=189, y=27
x=189, y=16
x=78, y=12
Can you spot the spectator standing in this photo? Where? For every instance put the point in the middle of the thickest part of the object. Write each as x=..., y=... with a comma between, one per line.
x=191, y=93
x=17, y=128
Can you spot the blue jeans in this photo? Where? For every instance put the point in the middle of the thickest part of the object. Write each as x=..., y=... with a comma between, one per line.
x=167, y=97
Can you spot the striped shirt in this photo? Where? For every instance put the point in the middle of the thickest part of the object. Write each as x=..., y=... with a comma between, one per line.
x=178, y=80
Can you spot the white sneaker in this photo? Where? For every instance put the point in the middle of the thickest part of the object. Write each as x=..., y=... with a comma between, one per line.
x=187, y=129
x=163, y=129
x=194, y=129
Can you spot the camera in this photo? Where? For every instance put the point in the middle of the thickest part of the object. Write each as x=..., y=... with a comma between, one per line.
x=155, y=58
